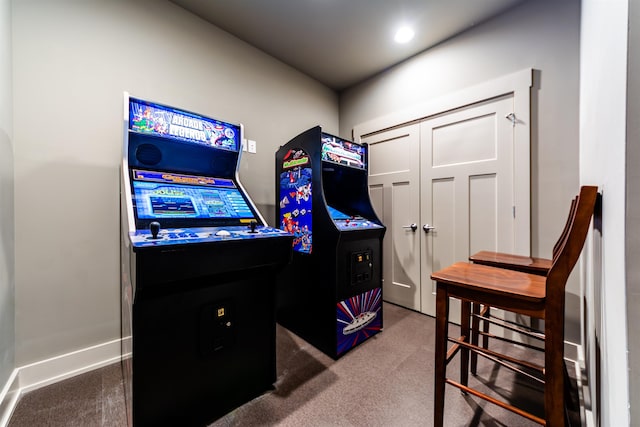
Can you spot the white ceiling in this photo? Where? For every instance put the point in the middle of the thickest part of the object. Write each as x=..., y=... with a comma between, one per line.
x=343, y=42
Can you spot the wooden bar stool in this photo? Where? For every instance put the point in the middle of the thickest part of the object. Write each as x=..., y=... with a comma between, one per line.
x=532, y=265
x=538, y=296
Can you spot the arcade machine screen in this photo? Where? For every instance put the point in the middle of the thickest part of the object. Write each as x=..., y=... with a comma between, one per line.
x=343, y=152
x=171, y=196
x=344, y=182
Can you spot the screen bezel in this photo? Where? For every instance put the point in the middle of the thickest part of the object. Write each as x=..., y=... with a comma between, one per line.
x=142, y=223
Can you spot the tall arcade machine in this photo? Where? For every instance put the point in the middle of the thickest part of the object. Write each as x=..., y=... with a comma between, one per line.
x=198, y=270
x=331, y=292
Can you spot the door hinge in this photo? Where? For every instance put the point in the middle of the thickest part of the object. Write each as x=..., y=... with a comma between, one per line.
x=514, y=211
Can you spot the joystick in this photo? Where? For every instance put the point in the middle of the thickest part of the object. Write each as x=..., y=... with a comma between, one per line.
x=253, y=225
x=154, y=227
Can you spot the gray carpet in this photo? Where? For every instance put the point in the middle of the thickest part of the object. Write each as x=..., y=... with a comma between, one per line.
x=386, y=381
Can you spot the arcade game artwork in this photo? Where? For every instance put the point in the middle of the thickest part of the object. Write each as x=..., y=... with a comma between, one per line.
x=153, y=119
x=331, y=293
x=198, y=264
x=295, y=201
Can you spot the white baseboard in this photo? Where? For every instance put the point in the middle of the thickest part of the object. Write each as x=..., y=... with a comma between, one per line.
x=9, y=398
x=49, y=371
x=39, y=374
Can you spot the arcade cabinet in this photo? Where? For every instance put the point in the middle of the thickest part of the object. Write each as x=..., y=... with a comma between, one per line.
x=331, y=292
x=198, y=270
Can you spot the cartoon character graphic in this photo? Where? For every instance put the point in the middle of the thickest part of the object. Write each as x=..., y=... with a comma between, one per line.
x=148, y=119
x=160, y=125
x=305, y=240
x=144, y=122
x=303, y=193
x=288, y=224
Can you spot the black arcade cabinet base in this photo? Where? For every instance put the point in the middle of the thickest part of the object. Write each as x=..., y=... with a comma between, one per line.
x=203, y=333
x=202, y=352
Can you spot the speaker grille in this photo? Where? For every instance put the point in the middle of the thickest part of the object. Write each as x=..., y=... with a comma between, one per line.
x=148, y=154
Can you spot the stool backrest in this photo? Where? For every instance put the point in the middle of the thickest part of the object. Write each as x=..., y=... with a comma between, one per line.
x=565, y=230
x=569, y=251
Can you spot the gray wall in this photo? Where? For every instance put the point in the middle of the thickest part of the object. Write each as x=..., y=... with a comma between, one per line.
x=7, y=290
x=604, y=138
x=72, y=62
x=632, y=230
x=542, y=34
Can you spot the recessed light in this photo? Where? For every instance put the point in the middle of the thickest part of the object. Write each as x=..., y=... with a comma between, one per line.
x=404, y=35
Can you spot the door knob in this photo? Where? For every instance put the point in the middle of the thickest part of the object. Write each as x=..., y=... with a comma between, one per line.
x=427, y=228
x=413, y=227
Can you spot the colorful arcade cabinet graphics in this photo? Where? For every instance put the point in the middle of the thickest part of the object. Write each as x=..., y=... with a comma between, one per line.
x=296, y=199
x=358, y=318
x=322, y=197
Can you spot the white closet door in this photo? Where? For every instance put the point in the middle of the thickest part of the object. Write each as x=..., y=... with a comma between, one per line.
x=394, y=190
x=467, y=188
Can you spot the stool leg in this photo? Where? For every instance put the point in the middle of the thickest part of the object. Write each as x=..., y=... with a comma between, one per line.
x=554, y=371
x=440, y=368
x=465, y=317
x=475, y=327
x=485, y=312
